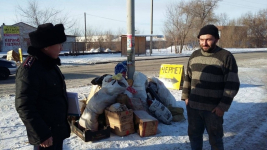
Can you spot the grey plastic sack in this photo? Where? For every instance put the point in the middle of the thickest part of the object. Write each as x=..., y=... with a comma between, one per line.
x=161, y=112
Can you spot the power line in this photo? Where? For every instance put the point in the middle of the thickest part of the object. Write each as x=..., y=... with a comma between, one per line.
x=240, y=5
x=120, y=20
x=254, y=2
x=105, y=18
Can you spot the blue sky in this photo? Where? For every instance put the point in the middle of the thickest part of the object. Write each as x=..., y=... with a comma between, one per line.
x=111, y=14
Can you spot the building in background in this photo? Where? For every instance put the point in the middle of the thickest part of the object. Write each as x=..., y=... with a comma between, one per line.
x=16, y=36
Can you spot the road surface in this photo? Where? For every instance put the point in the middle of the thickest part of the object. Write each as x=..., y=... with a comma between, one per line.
x=81, y=75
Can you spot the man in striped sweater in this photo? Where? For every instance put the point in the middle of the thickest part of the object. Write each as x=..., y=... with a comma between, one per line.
x=210, y=84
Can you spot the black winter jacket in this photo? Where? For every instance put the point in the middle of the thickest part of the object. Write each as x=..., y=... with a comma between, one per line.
x=41, y=98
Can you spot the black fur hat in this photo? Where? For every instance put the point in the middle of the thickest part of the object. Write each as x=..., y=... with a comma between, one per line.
x=47, y=35
x=209, y=29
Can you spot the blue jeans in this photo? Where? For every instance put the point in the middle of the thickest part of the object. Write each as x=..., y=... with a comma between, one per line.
x=198, y=121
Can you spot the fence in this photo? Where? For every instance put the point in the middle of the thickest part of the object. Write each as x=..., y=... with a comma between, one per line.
x=78, y=47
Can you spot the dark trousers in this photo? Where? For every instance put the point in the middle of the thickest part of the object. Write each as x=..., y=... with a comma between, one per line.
x=198, y=121
x=57, y=145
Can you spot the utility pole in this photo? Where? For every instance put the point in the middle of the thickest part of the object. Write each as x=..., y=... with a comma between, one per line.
x=151, y=45
x=85, y=31
x=85, y=27
x=130, y=41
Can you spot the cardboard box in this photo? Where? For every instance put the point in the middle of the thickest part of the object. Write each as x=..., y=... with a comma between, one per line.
x=122, y=129
x=119, y=117
x=145, y=124
x=87, y=135
x=121, y=122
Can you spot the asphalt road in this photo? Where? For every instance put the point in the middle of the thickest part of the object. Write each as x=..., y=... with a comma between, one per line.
x=81, y=75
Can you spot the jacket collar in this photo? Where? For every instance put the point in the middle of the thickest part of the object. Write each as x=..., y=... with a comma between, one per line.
x=43, y=58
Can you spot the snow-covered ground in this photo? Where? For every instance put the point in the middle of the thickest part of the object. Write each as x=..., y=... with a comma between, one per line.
x=245, y=124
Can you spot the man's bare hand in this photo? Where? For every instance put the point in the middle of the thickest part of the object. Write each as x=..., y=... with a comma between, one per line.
x=218, y=111
x=47, y=143
x=186, y=102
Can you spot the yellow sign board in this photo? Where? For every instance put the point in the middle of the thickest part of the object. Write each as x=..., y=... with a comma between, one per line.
x=172, y=75
x=11, y=30
x=20, y=55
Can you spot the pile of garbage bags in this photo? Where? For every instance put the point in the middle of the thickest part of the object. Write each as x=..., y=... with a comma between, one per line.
x=149, y=94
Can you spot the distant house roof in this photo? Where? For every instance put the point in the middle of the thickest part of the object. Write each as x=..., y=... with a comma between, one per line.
x=24, y=24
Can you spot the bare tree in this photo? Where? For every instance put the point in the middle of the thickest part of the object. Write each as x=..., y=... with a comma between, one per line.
x=178, y=24
x=257, y=28
x=202, y=10
x=222, y=19
x=89, y=41
x=109, y=36
x=100, y=40
x=169, y=39
x=35, y=15
x=185, y=18
x=75, y=30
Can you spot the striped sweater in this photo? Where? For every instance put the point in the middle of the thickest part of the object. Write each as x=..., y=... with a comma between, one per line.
x=211, y=80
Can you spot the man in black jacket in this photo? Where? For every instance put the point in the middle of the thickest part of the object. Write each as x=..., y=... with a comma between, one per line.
x=41, y=97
